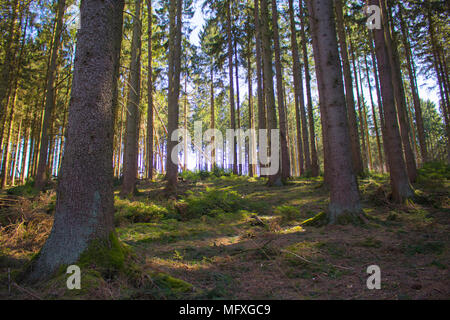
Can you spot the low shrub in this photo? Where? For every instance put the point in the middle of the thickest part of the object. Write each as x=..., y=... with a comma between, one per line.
x=137, y=211
x=211, y=202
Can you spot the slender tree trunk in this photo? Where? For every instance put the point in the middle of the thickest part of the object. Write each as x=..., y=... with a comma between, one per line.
x=344, y=195
x=130, y=168
x=413, y=84
x=6, y=68
x=230, y=71
x=185, y=115
x=41, y=176
x=312, y=134
x=26, y=138
x=212, y=120
x=298, y=93
x=274, y=179
x=401, y=187
x=238, y=107
x=260, y=91
x=6, y=152
x=362, y=129
x=399, y=94
x=366, y=126
x=349, y=97
x=174, y=93
x=251, y=122
x=445, y=103
x=374, y=115
x=285, y=164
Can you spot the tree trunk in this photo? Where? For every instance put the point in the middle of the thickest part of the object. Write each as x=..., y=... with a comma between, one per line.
x=349, y=97
x=238, y=107
x=274, y=179
x=344, y=195
x=174, y=92
x=85, y=202
x=130, y=160
x=231, y=79
x=260, y=91
x=374, y=116
x=212, y=120
x=399, y=94
x=298, y=93
x=6, y=152
x=285, y=164
x=6, y=69
x=413, y=84
x=41, y=176
x=312, y=134
x=251, y=122
x=401, y=187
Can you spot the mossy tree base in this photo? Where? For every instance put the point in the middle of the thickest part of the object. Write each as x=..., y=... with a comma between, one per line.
x=334, y=218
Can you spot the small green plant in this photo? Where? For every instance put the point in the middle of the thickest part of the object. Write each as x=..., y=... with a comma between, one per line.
x=25, y=190
x=137, y=211
x=211, y=202
x=287, y=213
x=370, y=242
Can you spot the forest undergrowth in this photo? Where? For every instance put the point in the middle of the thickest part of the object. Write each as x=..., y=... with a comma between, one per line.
x=232, y=237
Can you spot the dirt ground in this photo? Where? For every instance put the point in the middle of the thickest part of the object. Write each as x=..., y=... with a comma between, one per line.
x=259, y=250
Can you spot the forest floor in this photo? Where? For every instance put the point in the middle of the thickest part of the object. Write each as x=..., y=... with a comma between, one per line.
x=232, y=237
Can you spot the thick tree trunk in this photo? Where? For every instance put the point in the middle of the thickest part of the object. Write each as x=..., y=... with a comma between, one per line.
x=130, y=160
x=41, y=176
x=85, y=204
x=344, y=195
x=401, y=187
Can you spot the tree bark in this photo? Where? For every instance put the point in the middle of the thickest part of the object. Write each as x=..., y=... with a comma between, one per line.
x=260, y=92
x=349, y=97
x=231, y=79
x=130, y=160
x=42, y=175
x=312, y=134
x=274, y=179
x=399, y=94
x=299, y=101
x=413, y=84
x=174, y=92
x=401, y=187
x=344, y=194
x=285, y=163
x=85, y=203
